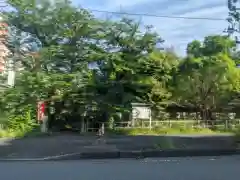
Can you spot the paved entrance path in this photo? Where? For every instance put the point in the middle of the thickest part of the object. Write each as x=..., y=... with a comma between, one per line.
x=204, y=168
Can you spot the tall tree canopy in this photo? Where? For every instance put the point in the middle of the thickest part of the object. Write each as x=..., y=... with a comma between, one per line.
x=207, y=81
x=211, y=45
x=128, y=66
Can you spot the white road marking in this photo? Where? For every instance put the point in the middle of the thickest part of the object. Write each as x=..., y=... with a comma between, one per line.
x=39, y=159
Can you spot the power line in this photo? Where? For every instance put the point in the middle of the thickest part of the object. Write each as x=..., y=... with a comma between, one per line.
x=147, y=15
x=157, y=16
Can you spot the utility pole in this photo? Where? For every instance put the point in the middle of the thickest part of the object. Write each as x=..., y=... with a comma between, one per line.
x=233, y=28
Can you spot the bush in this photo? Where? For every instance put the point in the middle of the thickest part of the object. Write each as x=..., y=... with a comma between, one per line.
x=20, y=125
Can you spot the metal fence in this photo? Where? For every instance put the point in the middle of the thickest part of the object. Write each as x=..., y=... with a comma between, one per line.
x=221, y=125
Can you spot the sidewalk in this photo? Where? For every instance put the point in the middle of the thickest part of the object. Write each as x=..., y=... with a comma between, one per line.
x=72, y=147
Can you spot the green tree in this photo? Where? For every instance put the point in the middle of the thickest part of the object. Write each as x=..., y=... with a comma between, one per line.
x=211, y=45
x=159, y=68
x=122, y=77
x=60, y=73
x=63, y=58
x=209, y=81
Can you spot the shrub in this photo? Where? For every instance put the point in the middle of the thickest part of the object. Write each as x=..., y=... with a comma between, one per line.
x=20, y=125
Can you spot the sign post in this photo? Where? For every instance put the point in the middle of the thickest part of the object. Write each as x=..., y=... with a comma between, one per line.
x=141, y=111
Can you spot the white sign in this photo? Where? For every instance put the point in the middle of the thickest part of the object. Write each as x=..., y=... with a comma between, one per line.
x=141, y=112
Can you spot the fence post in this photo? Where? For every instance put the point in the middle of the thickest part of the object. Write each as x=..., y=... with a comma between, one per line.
x=150, y=120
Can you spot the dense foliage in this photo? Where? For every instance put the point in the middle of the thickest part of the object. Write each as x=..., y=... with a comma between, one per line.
x=57, y=46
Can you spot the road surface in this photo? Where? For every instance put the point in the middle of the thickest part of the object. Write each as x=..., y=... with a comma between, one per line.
x=200, y=168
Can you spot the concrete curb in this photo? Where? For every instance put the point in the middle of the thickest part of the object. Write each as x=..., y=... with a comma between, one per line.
x=132, y=154
x=157, y=153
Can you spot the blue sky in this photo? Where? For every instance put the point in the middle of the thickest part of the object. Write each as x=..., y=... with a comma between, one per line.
x=176, y=32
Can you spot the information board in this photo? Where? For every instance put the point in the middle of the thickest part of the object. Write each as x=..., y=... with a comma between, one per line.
x=141, y=112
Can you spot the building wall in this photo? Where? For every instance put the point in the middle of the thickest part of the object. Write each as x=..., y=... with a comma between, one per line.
x=3, y=49
x=4, y=71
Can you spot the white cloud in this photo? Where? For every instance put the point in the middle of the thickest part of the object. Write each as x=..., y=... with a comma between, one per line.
x=181, y=6
x=127, y=3
x=207, y=12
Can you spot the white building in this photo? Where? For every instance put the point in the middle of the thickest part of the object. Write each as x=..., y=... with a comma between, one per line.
x=3, y=49
x=4, y=71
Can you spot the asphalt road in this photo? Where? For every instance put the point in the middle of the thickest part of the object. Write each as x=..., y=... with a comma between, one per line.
x=200, y=168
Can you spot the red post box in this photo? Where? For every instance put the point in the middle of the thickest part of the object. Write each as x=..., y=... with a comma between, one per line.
x=41, y=111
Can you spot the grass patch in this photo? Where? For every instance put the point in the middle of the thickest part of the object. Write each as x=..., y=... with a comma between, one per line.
x=162, y=131
x=174, y=127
